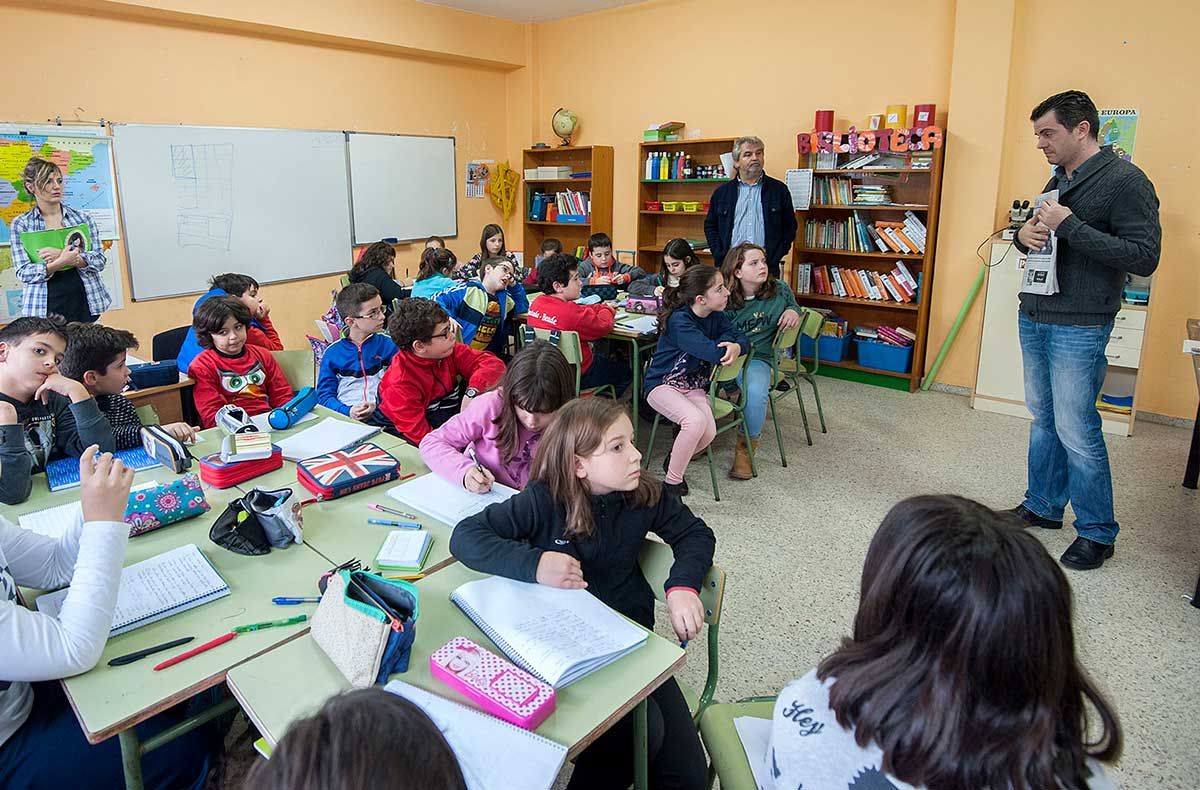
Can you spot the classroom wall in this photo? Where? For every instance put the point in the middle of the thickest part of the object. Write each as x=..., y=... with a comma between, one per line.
x=169, y=70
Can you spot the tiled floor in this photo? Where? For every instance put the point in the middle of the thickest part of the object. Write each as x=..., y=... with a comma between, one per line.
x=793, y=541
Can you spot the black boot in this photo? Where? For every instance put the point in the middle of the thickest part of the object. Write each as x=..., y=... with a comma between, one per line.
x=1032, y=519
x=1085, y=554
x=677, y=490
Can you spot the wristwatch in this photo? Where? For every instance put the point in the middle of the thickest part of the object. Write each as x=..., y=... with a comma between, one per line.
x=472, y=392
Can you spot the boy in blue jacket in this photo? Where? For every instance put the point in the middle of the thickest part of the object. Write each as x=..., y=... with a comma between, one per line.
x=352, y=368
x=482, y=307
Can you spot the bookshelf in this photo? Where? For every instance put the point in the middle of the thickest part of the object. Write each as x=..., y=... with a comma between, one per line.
x=594, y=159
x=910, y=189
x=656, y=228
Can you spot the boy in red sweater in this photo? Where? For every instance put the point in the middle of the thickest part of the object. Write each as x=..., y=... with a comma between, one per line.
x=432, y=377
x=556, y=308
x=230, y=370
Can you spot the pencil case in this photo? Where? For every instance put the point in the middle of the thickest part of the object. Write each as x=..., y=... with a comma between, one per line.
x=344, y=472
x=154, y=374
x=495, y=684
x=643, y=304
x=166, y=449
x=257, y=521
x=166, y=503
x=222, y=474
x=366, y=625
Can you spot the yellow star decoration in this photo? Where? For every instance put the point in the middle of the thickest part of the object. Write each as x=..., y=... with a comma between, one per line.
x=504, y=188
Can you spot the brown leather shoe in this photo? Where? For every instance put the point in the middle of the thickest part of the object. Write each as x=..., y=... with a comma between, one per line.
x=741, y=461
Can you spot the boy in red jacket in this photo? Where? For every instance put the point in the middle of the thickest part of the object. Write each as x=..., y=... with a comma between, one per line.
x=557, y=308
x=432, y=377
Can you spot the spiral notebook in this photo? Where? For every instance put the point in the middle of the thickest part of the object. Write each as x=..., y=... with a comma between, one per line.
x=493, y=754
x=559, y=636
x=64, y=472
x=445, y=501
x=155, y=589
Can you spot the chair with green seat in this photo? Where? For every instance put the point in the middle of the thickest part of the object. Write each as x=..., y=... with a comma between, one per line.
x=655, y=560
x=570, y=345
x=298, y=368
x=345, y=280
x=784, y=339
x=148, y=414
x=727, y=758
x=722, y=408
x=793, y=370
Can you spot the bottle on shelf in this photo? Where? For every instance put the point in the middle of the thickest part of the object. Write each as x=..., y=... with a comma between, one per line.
x=663, y=167
x=687, y=167
x=650, y=162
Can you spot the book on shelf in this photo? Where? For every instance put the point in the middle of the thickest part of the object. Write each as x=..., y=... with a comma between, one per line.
x=853, y=283
x=804, y=278
x=546, y=207
x=889, y=335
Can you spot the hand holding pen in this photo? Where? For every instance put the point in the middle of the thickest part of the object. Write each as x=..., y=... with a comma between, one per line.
x=477, y=480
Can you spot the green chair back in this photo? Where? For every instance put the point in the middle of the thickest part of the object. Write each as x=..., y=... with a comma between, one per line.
x=148, y=415
x=298, y=367
x=568, y=342
x=345, y=280
x=724, y=373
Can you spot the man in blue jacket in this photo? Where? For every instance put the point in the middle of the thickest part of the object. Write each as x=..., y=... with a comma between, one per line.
x=752, y=207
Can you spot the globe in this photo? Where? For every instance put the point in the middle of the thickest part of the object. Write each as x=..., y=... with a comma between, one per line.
x=565, y=123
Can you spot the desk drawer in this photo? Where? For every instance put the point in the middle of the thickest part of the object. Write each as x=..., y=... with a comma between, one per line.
x=1123, y=357
x=1125, y=337
x=1130, y=319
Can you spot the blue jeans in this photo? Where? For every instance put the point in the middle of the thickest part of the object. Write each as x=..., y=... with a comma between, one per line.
x=604, y=370
x=1068, y=461
x=757, y=383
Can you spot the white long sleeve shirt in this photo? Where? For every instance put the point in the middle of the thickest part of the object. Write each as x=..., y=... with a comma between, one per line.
x=34, y=646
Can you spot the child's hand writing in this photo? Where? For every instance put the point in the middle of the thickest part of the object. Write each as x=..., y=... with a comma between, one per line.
x=182, y=431
x=604, y=280
x=57, y=382
x=732, y=351
x=103, y=486
x=478, y=480
x=686, y=612
x=361, y=411
x=556, y=569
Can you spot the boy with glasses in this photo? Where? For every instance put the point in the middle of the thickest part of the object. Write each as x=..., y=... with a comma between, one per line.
x=353, y=367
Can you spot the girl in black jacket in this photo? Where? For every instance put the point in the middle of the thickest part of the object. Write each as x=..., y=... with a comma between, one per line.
x=377, y=266
x=580, y=523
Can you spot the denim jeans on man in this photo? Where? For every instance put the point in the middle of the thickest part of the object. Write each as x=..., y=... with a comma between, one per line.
x=1068, y=461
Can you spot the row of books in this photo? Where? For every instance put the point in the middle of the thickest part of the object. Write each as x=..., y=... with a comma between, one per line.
x=892, y=335
x=854, y=234
x=836, y=191
x=877, y=160
x=544, y=207
x=898, y=285
x=907, y=237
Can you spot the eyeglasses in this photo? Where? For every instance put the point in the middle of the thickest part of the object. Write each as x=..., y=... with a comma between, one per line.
x=375, y=314
x=447, y=335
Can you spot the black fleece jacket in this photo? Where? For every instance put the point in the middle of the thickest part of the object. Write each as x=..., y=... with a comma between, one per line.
x=508, y=539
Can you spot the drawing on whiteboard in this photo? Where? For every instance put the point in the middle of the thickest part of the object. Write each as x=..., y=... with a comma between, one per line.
x=204, y=190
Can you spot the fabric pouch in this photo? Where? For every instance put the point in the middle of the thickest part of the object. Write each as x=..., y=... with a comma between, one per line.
x=366, y=624
x=254, y=523
x=166, y=449
x=166, y=503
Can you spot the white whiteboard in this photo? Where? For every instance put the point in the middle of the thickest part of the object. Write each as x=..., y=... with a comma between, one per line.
x=403, y=187
x=197, y=201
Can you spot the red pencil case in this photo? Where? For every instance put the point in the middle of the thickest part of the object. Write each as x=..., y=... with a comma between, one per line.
x=343, y=472
x=219, y=474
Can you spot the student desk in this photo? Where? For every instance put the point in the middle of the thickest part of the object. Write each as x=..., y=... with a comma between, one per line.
x=637, y=344
x=166, y=399
x=584, y=710
x=111, y=700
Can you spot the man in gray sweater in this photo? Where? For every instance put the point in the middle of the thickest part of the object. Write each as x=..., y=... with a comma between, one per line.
x=1106, y=226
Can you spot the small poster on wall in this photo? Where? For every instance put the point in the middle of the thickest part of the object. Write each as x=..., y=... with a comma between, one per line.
x=479, y=172
x=1118, y=128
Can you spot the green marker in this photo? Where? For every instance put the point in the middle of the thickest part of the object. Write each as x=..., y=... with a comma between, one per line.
x=243, y=629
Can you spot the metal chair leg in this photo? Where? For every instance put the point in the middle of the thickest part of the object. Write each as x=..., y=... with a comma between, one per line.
x=712, y=472
x=803, y=413
x=650, y=446
x=778, y=433
x=749, y=445
x=817, y=397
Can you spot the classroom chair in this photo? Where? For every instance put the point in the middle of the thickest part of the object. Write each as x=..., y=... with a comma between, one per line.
x=655, y=560
x=298, y=367
x=721, y=408
x=784, y=339
x=793, y=370
x=726, y=757
x=568, y=343
x=166, y=345
x=148, y=415
x=345, y=280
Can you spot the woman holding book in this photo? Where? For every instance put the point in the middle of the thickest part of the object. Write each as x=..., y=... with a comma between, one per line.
x=41, y=744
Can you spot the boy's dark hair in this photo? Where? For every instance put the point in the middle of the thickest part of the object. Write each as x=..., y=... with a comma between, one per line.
x=599, y=240
x=551, y=245
x=339, y=748
x=376, y=256
x=93, y=347
x=1071, y=108
x=349, y=299
x=438, y=239
x=211, y=315
x=413, y=320
x=27, y=326
x=962, y=664
x=556, y=269
x=436, y=260
x=234, y=284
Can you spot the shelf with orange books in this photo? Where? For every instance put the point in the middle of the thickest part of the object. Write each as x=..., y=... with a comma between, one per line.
x=888, y=255
x=887, y=304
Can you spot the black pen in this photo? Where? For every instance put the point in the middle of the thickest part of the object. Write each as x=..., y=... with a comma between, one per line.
x=121, y=661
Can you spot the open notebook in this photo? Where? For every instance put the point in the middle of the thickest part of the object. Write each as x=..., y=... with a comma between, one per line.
x=557, y=635
x=155, y=589
x=327, y=436
x=64, y=472
x=445, y=501
x=493, y=754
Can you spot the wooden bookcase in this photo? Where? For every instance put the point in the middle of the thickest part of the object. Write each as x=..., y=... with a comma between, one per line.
x=921, y=186
x=656, y=228
x=594, y=159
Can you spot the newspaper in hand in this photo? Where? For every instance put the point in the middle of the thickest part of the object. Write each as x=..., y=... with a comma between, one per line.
x=1040, y=274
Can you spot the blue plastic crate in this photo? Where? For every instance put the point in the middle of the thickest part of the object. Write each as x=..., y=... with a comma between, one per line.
x=884, y=356
x=833, y=349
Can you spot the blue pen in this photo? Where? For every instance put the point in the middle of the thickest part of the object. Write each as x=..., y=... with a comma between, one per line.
x=403, y=524
x=294, y=601
x=684, y=644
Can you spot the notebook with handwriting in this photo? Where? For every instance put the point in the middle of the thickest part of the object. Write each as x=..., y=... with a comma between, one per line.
x=445, y=501
x=156, y=588
x=493, y=754
x=556, y=635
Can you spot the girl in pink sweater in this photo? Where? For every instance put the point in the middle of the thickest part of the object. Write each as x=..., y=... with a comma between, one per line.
x=501, y=427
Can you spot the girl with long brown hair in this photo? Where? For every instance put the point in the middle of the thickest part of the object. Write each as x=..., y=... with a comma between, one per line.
x=580, y=523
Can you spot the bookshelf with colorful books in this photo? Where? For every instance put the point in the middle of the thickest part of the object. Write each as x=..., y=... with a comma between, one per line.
x=674, y=202
x=864, y=252
x=567, y=195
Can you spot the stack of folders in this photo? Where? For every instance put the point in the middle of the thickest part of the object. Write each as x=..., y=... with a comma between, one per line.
x=558, y=636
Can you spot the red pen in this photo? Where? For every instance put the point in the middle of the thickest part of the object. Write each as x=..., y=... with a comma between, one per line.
x=410, y=474
x=220, y=640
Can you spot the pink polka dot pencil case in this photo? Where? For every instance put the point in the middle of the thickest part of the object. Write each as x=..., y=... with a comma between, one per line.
x=496, y=685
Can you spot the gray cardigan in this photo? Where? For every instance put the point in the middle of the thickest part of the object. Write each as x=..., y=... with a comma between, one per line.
x=1112, y=229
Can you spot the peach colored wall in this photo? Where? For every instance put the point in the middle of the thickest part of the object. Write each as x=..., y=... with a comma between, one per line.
x=149, y=72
